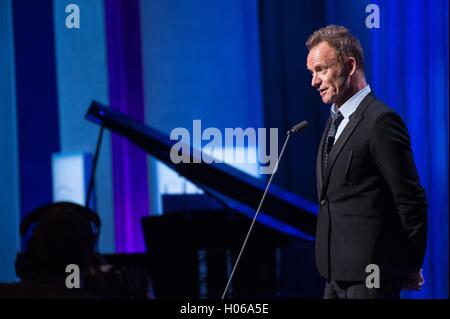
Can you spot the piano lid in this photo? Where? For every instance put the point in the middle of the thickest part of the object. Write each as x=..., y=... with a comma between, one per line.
x=242, y=192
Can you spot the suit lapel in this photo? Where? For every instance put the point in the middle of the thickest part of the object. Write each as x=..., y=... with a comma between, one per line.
x=319, y=173
x=346, y=133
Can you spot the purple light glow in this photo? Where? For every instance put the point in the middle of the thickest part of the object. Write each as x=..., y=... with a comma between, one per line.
x=126, y=95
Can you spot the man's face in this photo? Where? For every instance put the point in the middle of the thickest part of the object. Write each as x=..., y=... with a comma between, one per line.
x=328, y=76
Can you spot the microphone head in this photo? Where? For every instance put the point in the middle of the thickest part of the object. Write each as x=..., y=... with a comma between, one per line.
x=298, y=127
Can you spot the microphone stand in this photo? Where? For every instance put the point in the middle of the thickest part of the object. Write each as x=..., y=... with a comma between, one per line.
x=294, y=130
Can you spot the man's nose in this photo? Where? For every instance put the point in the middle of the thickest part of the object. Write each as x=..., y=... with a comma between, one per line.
x=315, y=81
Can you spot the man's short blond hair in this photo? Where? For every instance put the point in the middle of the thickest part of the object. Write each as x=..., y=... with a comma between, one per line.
x=341, y=40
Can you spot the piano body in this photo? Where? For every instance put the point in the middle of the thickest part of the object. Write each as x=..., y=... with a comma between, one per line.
x=192, y=246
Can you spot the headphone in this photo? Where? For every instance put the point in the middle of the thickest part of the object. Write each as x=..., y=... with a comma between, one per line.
x=25, y=267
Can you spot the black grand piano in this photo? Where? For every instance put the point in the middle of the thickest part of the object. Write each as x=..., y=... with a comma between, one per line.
x=192, y=246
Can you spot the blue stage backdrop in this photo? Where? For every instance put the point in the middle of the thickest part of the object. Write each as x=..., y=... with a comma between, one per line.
x=229, y=63
x=9, y=167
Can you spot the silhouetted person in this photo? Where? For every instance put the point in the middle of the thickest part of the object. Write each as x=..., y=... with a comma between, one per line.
x=57, y=235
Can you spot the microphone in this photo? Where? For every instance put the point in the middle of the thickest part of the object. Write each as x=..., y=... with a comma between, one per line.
x=297, y=127
x=294, y=130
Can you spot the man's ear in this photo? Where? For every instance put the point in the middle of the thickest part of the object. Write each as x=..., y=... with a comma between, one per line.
x=351, y=65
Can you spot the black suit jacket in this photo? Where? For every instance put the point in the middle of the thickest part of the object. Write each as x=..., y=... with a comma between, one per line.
x=373, y=209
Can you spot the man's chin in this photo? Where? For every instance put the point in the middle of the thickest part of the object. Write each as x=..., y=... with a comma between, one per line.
x=326, y=101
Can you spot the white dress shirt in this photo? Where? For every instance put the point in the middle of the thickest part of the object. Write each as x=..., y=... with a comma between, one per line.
x=348, y=108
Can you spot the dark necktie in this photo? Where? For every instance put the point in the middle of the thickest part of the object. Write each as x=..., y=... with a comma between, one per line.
x=329, y=142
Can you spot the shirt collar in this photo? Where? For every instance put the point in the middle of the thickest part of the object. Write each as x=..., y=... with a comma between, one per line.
x=349, y=107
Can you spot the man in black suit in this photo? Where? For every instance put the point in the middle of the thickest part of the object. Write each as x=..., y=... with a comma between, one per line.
x=373, y=210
